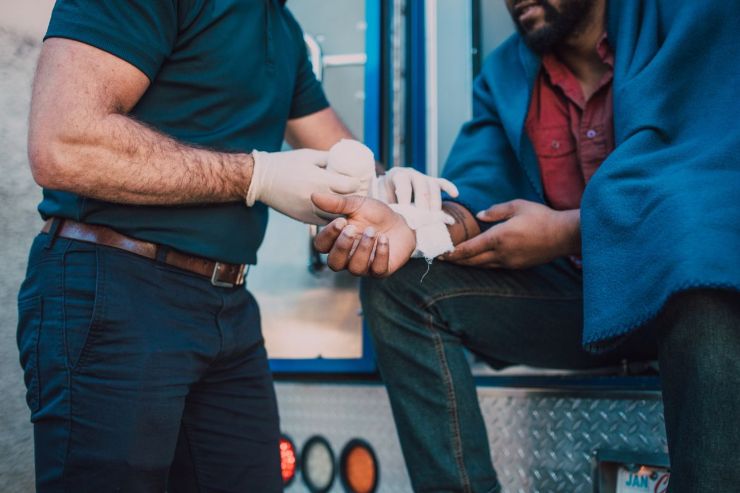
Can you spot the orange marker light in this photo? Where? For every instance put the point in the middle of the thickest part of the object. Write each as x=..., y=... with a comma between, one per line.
x=359, y=467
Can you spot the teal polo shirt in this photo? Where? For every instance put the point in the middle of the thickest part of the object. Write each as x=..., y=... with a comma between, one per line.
x=225, y=75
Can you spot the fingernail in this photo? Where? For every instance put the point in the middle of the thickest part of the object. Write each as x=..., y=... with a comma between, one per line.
x=339, y=225
x=370, y=232
x=383, y=239
x=481, y=215
x=349, y=231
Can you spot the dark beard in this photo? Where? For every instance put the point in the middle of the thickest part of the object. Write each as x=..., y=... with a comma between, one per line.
x=572, y=19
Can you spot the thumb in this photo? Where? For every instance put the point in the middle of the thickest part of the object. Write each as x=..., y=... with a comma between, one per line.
x=337, y=204
x=497, y=212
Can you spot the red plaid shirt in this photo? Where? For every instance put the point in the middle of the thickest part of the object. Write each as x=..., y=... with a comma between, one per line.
x=571, y=135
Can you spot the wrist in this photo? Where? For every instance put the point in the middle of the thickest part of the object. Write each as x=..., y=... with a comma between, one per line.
x=569, y=226
x=406, y=232
x=247, y=173
x=251, y=180
x=410, y=238
x=430, y=235
x=465, y=226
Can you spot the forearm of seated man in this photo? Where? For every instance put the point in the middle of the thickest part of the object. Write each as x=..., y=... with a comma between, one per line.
x=465, y=226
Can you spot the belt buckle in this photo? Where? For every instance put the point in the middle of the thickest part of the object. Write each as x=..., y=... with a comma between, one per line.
x=243, y=269
x=221, y=284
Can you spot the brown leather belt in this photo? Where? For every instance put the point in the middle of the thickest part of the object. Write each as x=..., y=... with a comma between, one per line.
x=221, y=274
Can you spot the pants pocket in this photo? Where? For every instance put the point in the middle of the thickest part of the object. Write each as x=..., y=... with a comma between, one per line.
x=82, y=302
x=29, y=326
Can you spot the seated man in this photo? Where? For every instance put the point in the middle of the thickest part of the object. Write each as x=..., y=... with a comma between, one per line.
x=639, y=90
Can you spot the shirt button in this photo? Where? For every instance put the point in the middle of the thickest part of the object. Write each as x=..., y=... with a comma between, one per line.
x=591, y=134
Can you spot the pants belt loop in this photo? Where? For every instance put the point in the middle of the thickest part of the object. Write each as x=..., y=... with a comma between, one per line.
x=162, y=253
x=56, y=223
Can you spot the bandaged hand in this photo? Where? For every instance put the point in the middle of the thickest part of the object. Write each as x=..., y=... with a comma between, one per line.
x=399, y=185
x=286, y=180
x=432, y=237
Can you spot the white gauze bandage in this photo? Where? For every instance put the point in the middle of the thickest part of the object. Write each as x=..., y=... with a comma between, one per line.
x=432, y=237
x=352, y=158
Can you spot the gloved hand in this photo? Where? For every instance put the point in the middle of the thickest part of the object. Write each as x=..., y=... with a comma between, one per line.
x=398, y=185
x=286, y=180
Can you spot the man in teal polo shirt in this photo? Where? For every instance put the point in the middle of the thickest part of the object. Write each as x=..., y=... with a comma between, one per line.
x=142, y=352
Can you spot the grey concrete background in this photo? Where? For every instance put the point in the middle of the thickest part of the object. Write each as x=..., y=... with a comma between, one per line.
x=19, y=222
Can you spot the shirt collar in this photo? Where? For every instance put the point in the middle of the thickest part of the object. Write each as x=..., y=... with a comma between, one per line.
x=561, y=76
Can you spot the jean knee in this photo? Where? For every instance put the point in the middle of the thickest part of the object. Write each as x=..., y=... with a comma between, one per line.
x=376, y=297
x=388, y=301
x=375, y=293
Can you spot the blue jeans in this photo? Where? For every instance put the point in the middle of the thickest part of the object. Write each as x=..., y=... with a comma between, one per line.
x=142, y=377
x=421, y=330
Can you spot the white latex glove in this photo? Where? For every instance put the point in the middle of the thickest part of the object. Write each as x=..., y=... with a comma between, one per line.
x=286, y=180
x=400, y=183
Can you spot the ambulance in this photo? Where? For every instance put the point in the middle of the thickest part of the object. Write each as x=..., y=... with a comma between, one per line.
x=400, y=74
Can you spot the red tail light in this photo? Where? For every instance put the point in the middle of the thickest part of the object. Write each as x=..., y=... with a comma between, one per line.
x=288, y=460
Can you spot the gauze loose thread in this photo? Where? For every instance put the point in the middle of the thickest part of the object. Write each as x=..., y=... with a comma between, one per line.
x=429, y=267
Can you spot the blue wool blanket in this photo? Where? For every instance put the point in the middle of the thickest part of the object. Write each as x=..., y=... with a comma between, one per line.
x=662, y=213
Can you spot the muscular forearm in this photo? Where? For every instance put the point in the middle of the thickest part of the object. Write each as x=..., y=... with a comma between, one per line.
x=118, y=159
x=319, y=130
x=81, y=138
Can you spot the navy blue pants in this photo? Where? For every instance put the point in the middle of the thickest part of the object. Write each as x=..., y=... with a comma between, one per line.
x=142, y=377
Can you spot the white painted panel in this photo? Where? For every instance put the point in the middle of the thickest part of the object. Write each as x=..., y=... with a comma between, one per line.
x=449, y=28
